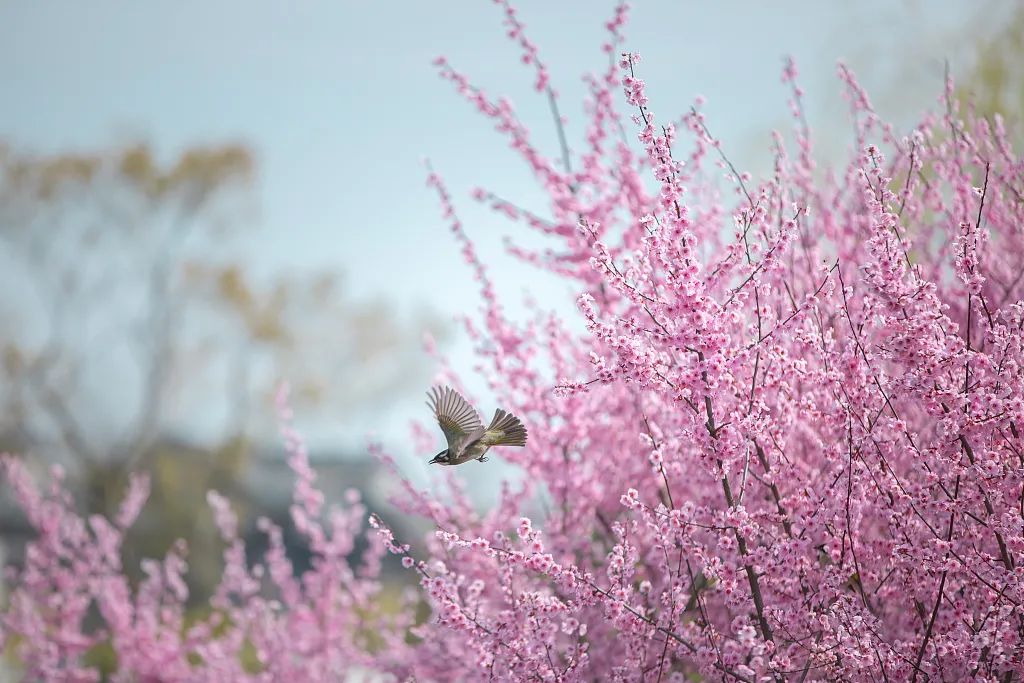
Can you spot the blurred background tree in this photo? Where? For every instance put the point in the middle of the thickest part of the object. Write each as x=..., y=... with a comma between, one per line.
x=134, y=339
x=996, y=81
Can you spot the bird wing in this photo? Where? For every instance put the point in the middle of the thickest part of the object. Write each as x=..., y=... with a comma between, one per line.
x=505, y=430
x=456, y=417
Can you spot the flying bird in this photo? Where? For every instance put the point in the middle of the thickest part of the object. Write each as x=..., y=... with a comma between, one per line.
x=467, y=438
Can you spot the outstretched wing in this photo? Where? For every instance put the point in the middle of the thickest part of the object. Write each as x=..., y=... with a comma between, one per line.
x=505, y=430
x=456, y=417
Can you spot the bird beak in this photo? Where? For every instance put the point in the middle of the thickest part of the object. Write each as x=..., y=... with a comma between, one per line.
x=438, y=458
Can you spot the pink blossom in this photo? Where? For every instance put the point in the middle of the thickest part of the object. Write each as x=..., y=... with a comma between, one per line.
x=786, y=443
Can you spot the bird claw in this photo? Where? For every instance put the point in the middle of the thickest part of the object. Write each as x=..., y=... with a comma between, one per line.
x=483, y=459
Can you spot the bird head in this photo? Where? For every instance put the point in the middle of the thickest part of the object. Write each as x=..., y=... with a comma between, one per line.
x=440, y=459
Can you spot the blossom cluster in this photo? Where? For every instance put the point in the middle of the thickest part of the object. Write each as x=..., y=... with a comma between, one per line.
x=787, y=445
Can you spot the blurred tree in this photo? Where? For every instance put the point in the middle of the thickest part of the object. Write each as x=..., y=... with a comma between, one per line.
x=97, y=241
x=133, y=338
x=995, y=84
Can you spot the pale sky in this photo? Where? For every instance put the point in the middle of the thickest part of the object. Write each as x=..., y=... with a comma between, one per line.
x=341, y=104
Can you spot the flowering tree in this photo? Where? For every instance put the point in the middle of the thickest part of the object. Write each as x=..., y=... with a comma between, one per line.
x=788, y=446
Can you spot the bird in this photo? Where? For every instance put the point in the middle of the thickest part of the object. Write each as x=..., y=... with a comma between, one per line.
x=466, y=436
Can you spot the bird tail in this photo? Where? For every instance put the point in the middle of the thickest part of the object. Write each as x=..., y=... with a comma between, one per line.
x=506, y=430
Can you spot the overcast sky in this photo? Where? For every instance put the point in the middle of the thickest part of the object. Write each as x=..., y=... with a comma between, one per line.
x=341, y=104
